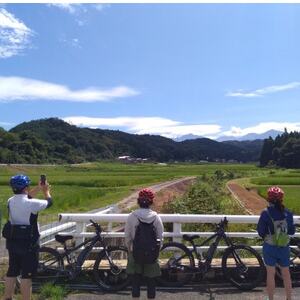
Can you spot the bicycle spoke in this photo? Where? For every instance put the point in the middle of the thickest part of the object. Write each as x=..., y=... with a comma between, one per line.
x=243, y=266
x=110, y=269
x=176, y=265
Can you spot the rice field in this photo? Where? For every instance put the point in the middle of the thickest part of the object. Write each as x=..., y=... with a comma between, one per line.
x=79, y=188
x=288, y=180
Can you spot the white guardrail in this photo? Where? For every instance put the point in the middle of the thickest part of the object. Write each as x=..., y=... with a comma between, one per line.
x=49, y=231
x=105, y=216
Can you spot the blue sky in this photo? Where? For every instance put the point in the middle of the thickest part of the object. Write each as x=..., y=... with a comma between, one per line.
x=169, y=69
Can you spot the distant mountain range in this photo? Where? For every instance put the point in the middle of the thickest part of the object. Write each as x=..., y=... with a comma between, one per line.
x=187, y=137
x=55, y=141
x=251, y=136
x=247, y=137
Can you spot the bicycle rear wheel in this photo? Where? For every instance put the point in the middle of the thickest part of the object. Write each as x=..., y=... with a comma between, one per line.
x=176, y=263
x=294, y=265
x=110, y=269
x=50, y=266
x=243, y=267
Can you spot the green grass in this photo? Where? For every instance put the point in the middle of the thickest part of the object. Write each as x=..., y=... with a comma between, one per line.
x=288, y=180
x=291, y=196
x=276, y=180
x=1, y=289
x=51, y=292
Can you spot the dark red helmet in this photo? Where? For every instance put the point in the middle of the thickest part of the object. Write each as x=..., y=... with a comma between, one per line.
x=275, y=193
x=146, y=195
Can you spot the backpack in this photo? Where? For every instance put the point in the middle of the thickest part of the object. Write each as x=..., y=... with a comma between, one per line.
x=146, y=246
x=280, y=238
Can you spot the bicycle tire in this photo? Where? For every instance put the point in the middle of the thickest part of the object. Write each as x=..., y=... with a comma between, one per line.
x=243, y=267
x=174, y=271
x=50, y=265
x=294, y=266
x=107, y=278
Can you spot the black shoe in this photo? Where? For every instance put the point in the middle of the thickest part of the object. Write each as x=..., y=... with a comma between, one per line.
x=136, y=285
x=151, y=288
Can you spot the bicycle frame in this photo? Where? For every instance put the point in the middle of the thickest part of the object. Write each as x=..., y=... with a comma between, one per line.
x=91, y=242
x=217, y=237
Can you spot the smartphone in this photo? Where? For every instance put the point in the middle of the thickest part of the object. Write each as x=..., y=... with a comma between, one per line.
x=43, y=179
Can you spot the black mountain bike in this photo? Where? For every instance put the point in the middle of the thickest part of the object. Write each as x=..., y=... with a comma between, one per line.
x=108, y=266
x=294, y=258
x=241, y=264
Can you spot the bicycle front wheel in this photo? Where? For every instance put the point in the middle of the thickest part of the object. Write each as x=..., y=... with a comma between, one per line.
x=176, y=263
x=110, y=269
x=50, y=265
x=243, y=267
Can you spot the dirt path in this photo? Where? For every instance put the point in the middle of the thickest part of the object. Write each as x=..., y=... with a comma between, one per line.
x=248, y=199
x=165, y=192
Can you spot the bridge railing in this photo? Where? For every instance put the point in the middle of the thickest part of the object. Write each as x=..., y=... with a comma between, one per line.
x=81, y=220
x=48, y=231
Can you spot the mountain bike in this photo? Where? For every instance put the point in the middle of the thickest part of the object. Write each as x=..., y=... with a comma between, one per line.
x=294, y=258
x=108, y=268
x=241, y=264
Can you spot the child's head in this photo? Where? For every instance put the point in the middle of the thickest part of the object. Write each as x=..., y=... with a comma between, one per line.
x=145, y=198
x=275, y=194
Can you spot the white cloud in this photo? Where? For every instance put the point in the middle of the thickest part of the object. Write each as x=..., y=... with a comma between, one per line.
x=5, y=124
x=146, y=125
x=266, y=90
x=78, y=8
x=173, y=129
x=262, y=128
x=68, y=7
x=101, y=6
x=73, y=42
x=14, y=35
x=19, y=88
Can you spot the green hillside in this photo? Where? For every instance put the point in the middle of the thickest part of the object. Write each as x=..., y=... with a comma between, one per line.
x=55, y=141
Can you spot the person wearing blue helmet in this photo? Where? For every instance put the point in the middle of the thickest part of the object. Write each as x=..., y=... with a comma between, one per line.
x=23, y=211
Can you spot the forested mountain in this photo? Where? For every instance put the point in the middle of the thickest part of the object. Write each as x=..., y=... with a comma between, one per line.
x=251, y=148
x=283, y=151
x=55, y=141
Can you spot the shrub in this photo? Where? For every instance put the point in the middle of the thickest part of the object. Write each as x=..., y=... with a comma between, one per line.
x=52, y=292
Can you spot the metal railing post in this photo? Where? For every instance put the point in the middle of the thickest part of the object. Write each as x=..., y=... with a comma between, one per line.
x=177, y=232
x=80, y=228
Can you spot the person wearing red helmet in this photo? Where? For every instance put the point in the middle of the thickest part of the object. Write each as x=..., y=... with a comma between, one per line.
x=143, y=217
x=274, y=226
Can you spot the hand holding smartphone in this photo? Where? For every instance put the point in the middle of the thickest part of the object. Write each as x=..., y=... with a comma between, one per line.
x=43, y=179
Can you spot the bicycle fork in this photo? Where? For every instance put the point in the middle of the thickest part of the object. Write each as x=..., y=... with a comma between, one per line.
x=115, y=270
x=242, y=269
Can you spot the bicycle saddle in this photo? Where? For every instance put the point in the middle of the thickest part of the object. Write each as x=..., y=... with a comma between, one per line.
x=189, y=237
x=63, y=238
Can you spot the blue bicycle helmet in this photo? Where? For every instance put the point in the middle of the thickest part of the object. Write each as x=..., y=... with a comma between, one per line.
x=19, y=182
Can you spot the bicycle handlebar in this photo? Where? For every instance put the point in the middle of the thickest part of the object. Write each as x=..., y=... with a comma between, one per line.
x=223, y=223
x=96, y=226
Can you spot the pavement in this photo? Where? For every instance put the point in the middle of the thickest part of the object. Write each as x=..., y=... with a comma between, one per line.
x=199, y=293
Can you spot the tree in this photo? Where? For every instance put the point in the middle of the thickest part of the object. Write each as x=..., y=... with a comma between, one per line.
x=266, y=152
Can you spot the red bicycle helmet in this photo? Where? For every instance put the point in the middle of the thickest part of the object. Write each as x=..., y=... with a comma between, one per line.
x=275, y=193
x=146, y=194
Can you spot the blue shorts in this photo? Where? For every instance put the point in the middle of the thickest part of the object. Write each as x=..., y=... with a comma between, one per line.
x=274, y=255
